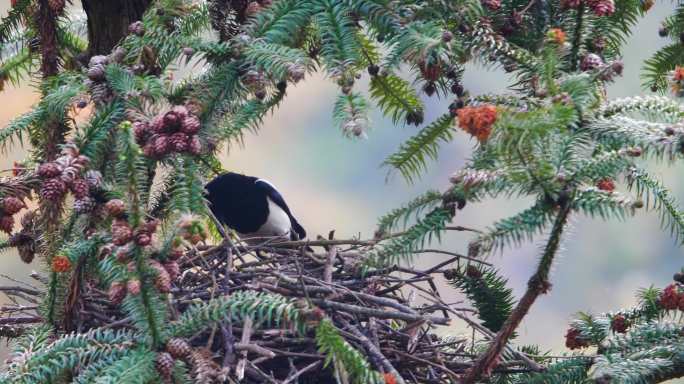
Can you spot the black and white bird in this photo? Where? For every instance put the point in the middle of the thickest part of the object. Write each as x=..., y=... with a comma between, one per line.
x=252, y=207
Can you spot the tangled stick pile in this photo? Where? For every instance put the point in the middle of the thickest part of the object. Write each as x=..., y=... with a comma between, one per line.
x=390, y=316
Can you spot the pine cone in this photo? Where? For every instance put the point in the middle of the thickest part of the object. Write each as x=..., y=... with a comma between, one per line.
x=162, y=280
x=178, y=348
x=137, y=28
x=6, y=224
x=430, y=71
x=117, y=55
x=161, y=145
x=619, y=324
x=84, y=205
x=94, y=179
x=194, y=145
x=173, y=269
x=80, y=189
x=27, y=251
x=157, y=125
x=602, y=7
x=56, y=5
x=565, y=4
x=176, y=253
x=252, y=8
x=142, y=237
x=12, y=205
x=181, y=111
x=164, y=364
x=28, y=220
x=191, y=125
x=116, y=292
x=121, y=233
x=669, y=297
x=151, y=225
x=148, y=150
x=96, y=72
x=575, y=340
x=53, y=189
x=171, y=121
x=296, y=72
x=179, y=142
x=133, y=287
x=591, y=61
x=142, y=131
x=492, y=5
x=115, y=207
x=100, y=93
x=123, y=254
x=49, y=170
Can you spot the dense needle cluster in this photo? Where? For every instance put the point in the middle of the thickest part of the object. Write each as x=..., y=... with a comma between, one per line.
x=141, y=285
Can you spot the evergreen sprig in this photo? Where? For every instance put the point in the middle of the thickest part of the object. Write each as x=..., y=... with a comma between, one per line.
x=411, y=158
x=487, y=290
x=348, y=363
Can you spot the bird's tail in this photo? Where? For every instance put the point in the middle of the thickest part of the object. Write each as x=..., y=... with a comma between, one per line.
x=298, y=232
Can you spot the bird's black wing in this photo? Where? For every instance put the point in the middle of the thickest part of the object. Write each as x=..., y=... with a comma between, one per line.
x=277, y=198
x=237, y=202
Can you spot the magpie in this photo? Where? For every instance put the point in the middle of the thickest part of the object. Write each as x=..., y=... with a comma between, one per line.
x=252, y=207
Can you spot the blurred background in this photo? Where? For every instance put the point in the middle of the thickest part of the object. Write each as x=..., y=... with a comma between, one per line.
x=332, y=182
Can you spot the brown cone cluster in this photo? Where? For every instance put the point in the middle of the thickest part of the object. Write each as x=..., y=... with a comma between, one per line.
x=575, y=340
x=9, y=206
x=672, y=297
x=67, y=173
x=171, y=131
x=25, y=239
x=619, y=323
x=125, y=240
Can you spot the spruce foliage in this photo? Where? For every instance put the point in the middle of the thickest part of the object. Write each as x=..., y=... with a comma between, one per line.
x=121, y=223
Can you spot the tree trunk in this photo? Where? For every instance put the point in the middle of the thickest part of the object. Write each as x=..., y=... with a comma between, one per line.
x=108, y=21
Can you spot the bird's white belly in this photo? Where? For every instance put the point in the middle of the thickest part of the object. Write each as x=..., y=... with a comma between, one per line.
x=278, y=224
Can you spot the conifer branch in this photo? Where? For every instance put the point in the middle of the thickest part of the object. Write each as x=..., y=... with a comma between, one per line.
x=536, y=286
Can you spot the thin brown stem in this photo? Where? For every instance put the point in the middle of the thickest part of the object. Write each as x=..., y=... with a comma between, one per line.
x=536, y=286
